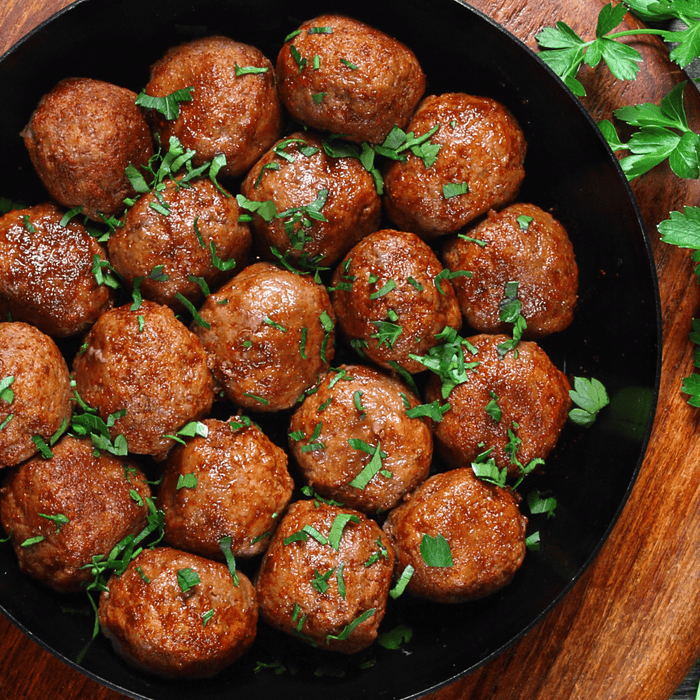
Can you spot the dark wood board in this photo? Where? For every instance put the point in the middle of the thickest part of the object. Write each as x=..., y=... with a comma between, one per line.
x=630, y=628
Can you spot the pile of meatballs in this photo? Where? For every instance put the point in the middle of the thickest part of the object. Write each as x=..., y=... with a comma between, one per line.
x=333, y=257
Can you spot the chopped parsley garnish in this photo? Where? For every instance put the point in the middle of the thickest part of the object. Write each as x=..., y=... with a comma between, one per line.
x=402, y=581
x=590, y=397
x=304, y=534
x=396, y=637
x=454, y=189
x=186, y=481
x=43, y=448
x=446, y=274
x=320, y=581
x=436, y=551
x=511, y=308
x=206, y=617
x=485, y=468
x=386, y=288
x=191, y=308
x=348, y=64
x=373, y=467
x=493, y=409
x=169, y=105
x=269, y=322
x=524, y=221
x=187, y=578
x=59, y=519
x=6, y=394
x=539, y=502
x=318, y=97
x=387, y=331
x=314, y=444
x=432, y=410
x=225, y=547
x=32, y=540
x=301, y=62
x=338, y=527
x=349, y=629
x=250, y=70
x=194, y=428
x=446, y=359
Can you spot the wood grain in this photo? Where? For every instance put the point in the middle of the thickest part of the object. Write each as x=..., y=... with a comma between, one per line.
x=630, y=628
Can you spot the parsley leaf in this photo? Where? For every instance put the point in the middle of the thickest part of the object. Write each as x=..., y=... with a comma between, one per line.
x=436, y=551
x=590, y=397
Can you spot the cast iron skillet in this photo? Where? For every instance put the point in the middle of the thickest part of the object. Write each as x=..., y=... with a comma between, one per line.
x=615, y=337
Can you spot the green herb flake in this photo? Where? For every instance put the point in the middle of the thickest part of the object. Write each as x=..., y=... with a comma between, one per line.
x=169, y=105
x=186, y=481
x=388, y=287
x=402, y=581
x=348, y=64
x=225, y=547
x=60, y=519
x=524, y=221
x=436, y=551
x=206, y=617
x=395, y=638
x=349, y=629
x=318, y=97
x=338, y=527
x=187, y=578
x=250, y=70
x=6, y=394
x=590, y=397
x=454, y=189
x=32, y=540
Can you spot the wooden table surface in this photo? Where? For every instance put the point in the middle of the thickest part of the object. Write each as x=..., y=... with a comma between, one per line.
x=630, y=628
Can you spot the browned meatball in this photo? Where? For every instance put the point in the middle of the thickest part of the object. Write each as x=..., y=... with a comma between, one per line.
x=340, y=75
x=35, y=394
x=179, y=615
x=81, y=137
x=269, y=335
x=147, y=369
x=330, y=203
x=521, y=243
x=67, y=509
x=233, y=482
x=235, y=109
x=48, y=271
x=479, y=165
x=355, y=443
x=531, y=393
x=325, y=577
x=464, y=538
x=392, y=297
x=202, y=223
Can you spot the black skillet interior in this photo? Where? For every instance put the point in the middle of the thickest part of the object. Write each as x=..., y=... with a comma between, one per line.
x=615, y=337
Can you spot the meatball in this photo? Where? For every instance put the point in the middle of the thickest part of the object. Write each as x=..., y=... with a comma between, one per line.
x=49, y=270
x=392, y=297
x=464, y=538
x=533, y=402
x=521, y=243
x=179, y=615
x=234, y=110
x=328, y=203
x=269, y=335
x=35, y=391
x=325, y=577
x=340, y=75
x=81, y=137
x=200, y=239
x=233, y=482
x=65, y=510
x=479, y=165
x=355, y=442
x=147, y=371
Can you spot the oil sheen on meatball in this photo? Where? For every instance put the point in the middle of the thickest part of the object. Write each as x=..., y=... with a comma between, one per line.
x=325, y=577
x=340, y=75
x=523, y=244
x=148, y=371
x=81, y=137
x=178, y=615
x=235, y=109
x=464, y=538
x=269, y=336
x=329, y=203
x=48, y=271
x=65, y=510
x=232, y=483
x=200, y=239
x=392, y=297
x=531, y=393
x=36, y=396
x=355, y=441
x=479, y=165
